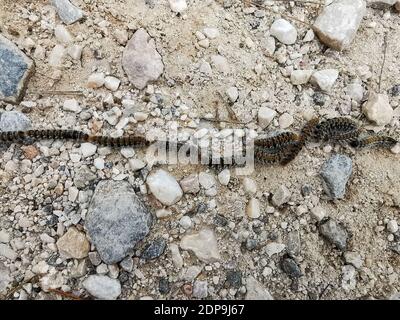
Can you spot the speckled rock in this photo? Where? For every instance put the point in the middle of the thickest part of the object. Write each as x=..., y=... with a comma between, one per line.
x=16, y=69
x=256, y=291
x=154, y=249
x=67, y=12
x=335, y=233
x=14, y=121
x=116, y=220
x=335, y=173
x=141, y=60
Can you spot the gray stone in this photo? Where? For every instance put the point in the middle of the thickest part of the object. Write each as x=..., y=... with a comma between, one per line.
x=83, y=176
x=67, y=12
x=5, y=278
x=16, y=69
x=154, y=249
x=200, y=289
x=256, y=291
x=141, y=60
x=14, y=121
x=335, y=174
x=116, y=220
x=7, y=252
x=335, y=233
x=234, y=279
x=338, y=23
x=291, y=268
x=102, y=287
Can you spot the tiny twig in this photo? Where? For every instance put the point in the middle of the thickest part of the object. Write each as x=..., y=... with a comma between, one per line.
x=65, y=294
x=384, y=60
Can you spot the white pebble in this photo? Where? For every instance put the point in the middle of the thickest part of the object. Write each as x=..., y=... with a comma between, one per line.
x=112, y=83
x=72, y=105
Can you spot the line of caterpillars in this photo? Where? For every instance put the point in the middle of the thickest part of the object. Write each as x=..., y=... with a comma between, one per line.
x=281, y=148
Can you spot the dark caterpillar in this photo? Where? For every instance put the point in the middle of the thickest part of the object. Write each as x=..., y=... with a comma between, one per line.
x=79, y=136
x=374, y=141
x=335, y=129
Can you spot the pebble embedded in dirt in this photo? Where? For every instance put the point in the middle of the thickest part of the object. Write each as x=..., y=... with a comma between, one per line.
x=102, y=287
x=141, y=60
x=335, y=173
x=14, y=121
x=203, y=244
x=73, y=244
x=164, y=187
x=378, y=109
x=284, y=31
x=335, y=233
x=325, y=79
x=67, y=12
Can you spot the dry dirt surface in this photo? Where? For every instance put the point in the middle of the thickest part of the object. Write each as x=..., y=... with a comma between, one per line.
x=281, y=246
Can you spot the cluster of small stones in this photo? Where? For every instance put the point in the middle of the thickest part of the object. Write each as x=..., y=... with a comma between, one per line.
x=109, y=224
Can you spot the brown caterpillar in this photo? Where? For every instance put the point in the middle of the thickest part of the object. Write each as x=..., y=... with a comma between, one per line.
x=335, y=129
x=16, y=136
x=374, y=141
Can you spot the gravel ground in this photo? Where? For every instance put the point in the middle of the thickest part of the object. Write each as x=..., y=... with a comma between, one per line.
x=83, y=221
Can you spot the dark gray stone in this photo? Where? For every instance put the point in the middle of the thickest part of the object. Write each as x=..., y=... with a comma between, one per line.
x=154, y=249
x=291, y=268
x=164, y=286
x=335, y=174
x=14, y=121
x=234, y=279
x=16, y=69
x=116, y=220
x=335, y=233
x=319, y=98
x=67, y=12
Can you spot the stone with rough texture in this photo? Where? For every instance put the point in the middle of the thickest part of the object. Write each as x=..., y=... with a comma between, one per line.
x=5, y=278
x=73, y=244
x=253, y=209
x=154, y=249
x=281, y=196
x=178, y=6
x=203, y=244
x=164, y=187
x=335, y=173
x=335, y=233
x=116, y=220
x=265, y=116
x=102, y=287
x=299, y=77
x=256, y=291
x=141, y=60
x=378, y=109
x=14, y=121
x=7, y=252
x=284, y=31
x=67, y=12
x=190, y=184
x=16, y=69
x=200, y=289
x=339, y=21
x=325, y=79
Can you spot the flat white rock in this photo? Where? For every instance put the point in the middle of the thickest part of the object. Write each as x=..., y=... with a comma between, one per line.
x=284, y=31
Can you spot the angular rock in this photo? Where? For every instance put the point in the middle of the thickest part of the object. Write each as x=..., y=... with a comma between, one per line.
x=67, y=12
x=190, y=184
x=284, y=31
x=335, y=233
x=338, y=23
x=7, y=252
x=203, y=244
x=378, y=109
x=73, y=244
x=154, y=249
x=164, y=187
x=14, y=121
x=335, y=173
x=178, y=6
x=274, y=248
x=141, y=60
x=299, y=77
x=325, y=79
x=256, y=291
x=200, y=289
x=102, y=287
x=116, y=220
x=16, y=69
x=290, y=267
x=265, y=116
x=281, y=196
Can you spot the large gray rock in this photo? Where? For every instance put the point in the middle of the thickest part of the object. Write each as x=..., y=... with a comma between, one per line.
x=116, y=220
x=67, y=11
x=15, y=70
x=141, y=60
x=338, y=23
x=335, y=174
x=14, y=121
